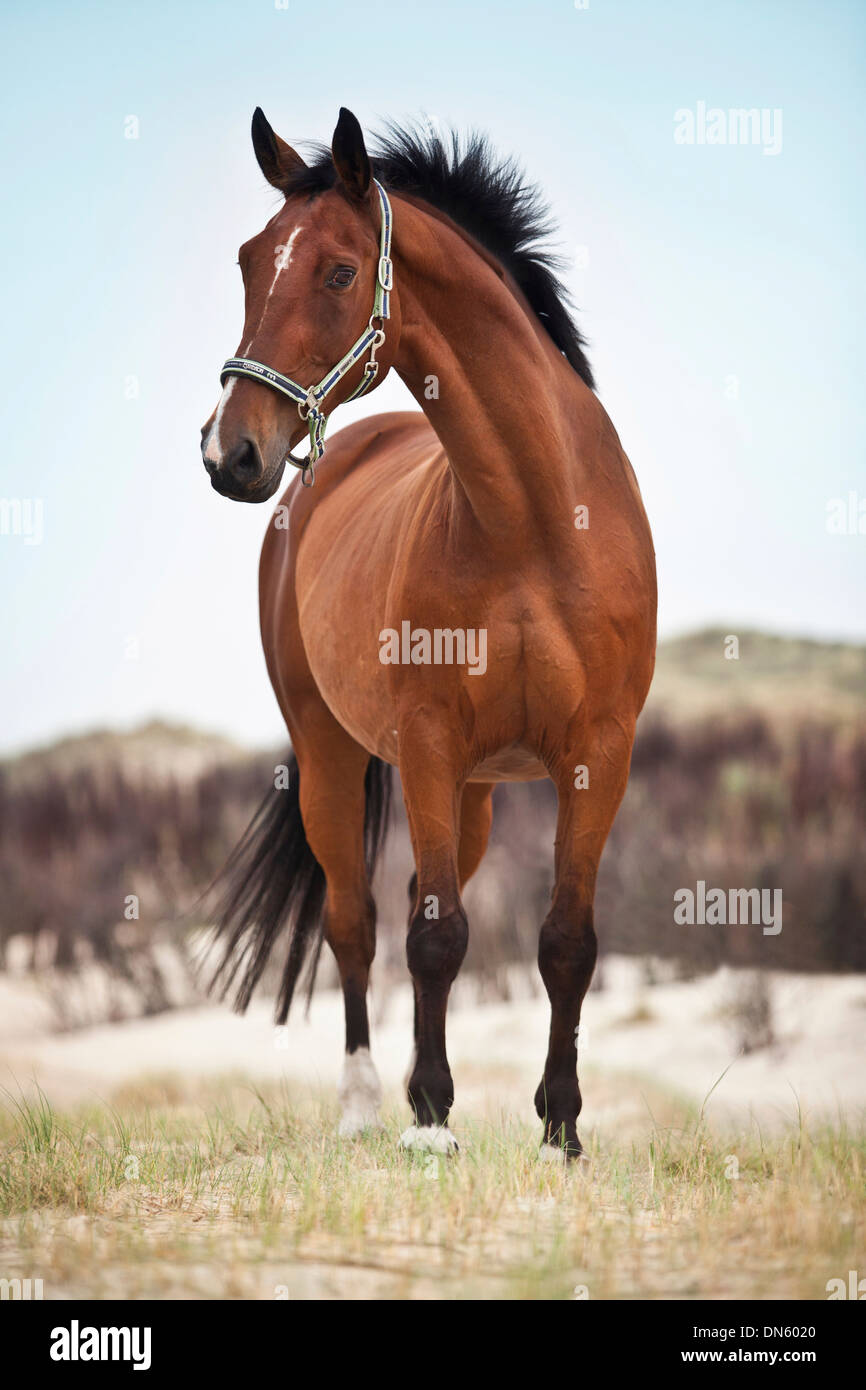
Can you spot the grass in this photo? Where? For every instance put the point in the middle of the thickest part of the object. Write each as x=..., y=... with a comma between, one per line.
x=224, y=1190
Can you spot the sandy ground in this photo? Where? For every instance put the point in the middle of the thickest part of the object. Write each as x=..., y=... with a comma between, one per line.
x=673, y=1034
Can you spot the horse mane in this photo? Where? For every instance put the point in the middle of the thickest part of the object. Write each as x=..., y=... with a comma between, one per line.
x=488, y=197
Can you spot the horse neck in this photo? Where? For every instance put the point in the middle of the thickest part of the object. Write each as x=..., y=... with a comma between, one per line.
x=499, y=395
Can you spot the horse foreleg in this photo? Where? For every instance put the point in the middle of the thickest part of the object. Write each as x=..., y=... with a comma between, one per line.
x=476, y=818
x=437, y=938
x=567, y=946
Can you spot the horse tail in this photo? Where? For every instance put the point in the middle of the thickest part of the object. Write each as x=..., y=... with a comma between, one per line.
x=273, y=881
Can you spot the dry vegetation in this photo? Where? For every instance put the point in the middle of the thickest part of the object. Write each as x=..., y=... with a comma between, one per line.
x=177, y=1190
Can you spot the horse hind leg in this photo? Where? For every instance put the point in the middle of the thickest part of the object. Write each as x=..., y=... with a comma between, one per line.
x=344, y=803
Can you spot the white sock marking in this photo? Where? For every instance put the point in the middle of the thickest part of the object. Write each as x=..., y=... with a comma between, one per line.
x=360, y=1093
x=436, y=1139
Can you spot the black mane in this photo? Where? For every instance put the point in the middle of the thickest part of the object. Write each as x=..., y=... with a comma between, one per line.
x=489, y=198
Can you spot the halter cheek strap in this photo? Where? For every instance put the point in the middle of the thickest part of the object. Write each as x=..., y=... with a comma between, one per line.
x=309, y=401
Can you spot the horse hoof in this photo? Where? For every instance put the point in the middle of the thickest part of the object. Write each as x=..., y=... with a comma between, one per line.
x=555, y=1153
x=352, y=1126
x=433, y=1139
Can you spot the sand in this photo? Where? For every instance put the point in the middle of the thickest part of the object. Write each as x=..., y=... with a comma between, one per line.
x=680, y=1035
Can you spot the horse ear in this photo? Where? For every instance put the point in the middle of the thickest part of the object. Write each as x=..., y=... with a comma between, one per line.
x=276, y=159
x=349, y=154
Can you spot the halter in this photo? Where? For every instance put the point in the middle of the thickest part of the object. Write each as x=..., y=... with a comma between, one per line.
x=309, y=401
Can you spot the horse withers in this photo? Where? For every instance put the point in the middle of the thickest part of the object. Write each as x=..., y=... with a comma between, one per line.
x=466, y=594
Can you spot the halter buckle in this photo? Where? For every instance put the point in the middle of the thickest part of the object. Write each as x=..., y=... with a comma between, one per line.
x=310, y=406
x=385, y=273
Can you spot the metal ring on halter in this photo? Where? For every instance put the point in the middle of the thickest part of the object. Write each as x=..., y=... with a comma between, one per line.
x=372, y=366
x=304, y=466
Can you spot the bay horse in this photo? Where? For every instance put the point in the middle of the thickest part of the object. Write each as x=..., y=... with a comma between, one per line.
x=505, y=517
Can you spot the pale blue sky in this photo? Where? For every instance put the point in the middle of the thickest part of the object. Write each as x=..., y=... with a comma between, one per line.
x=702, y=263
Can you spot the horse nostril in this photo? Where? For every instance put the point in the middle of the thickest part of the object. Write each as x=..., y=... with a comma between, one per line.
x=210, y=464
x=243, y=463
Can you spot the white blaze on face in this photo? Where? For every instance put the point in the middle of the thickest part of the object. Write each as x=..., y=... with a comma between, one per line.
x=282, y=260
x=213, y=450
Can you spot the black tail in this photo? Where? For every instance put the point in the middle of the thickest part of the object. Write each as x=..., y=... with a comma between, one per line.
x=273, y=880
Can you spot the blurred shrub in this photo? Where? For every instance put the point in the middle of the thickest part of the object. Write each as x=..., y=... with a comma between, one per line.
x=726, y=802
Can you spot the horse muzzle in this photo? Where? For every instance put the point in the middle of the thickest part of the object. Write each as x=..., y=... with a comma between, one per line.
x=241, y=475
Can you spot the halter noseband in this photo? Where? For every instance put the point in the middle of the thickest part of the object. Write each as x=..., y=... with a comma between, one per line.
x=309, y=401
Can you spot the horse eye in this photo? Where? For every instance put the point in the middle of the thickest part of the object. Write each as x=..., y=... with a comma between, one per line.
x=342, y=277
